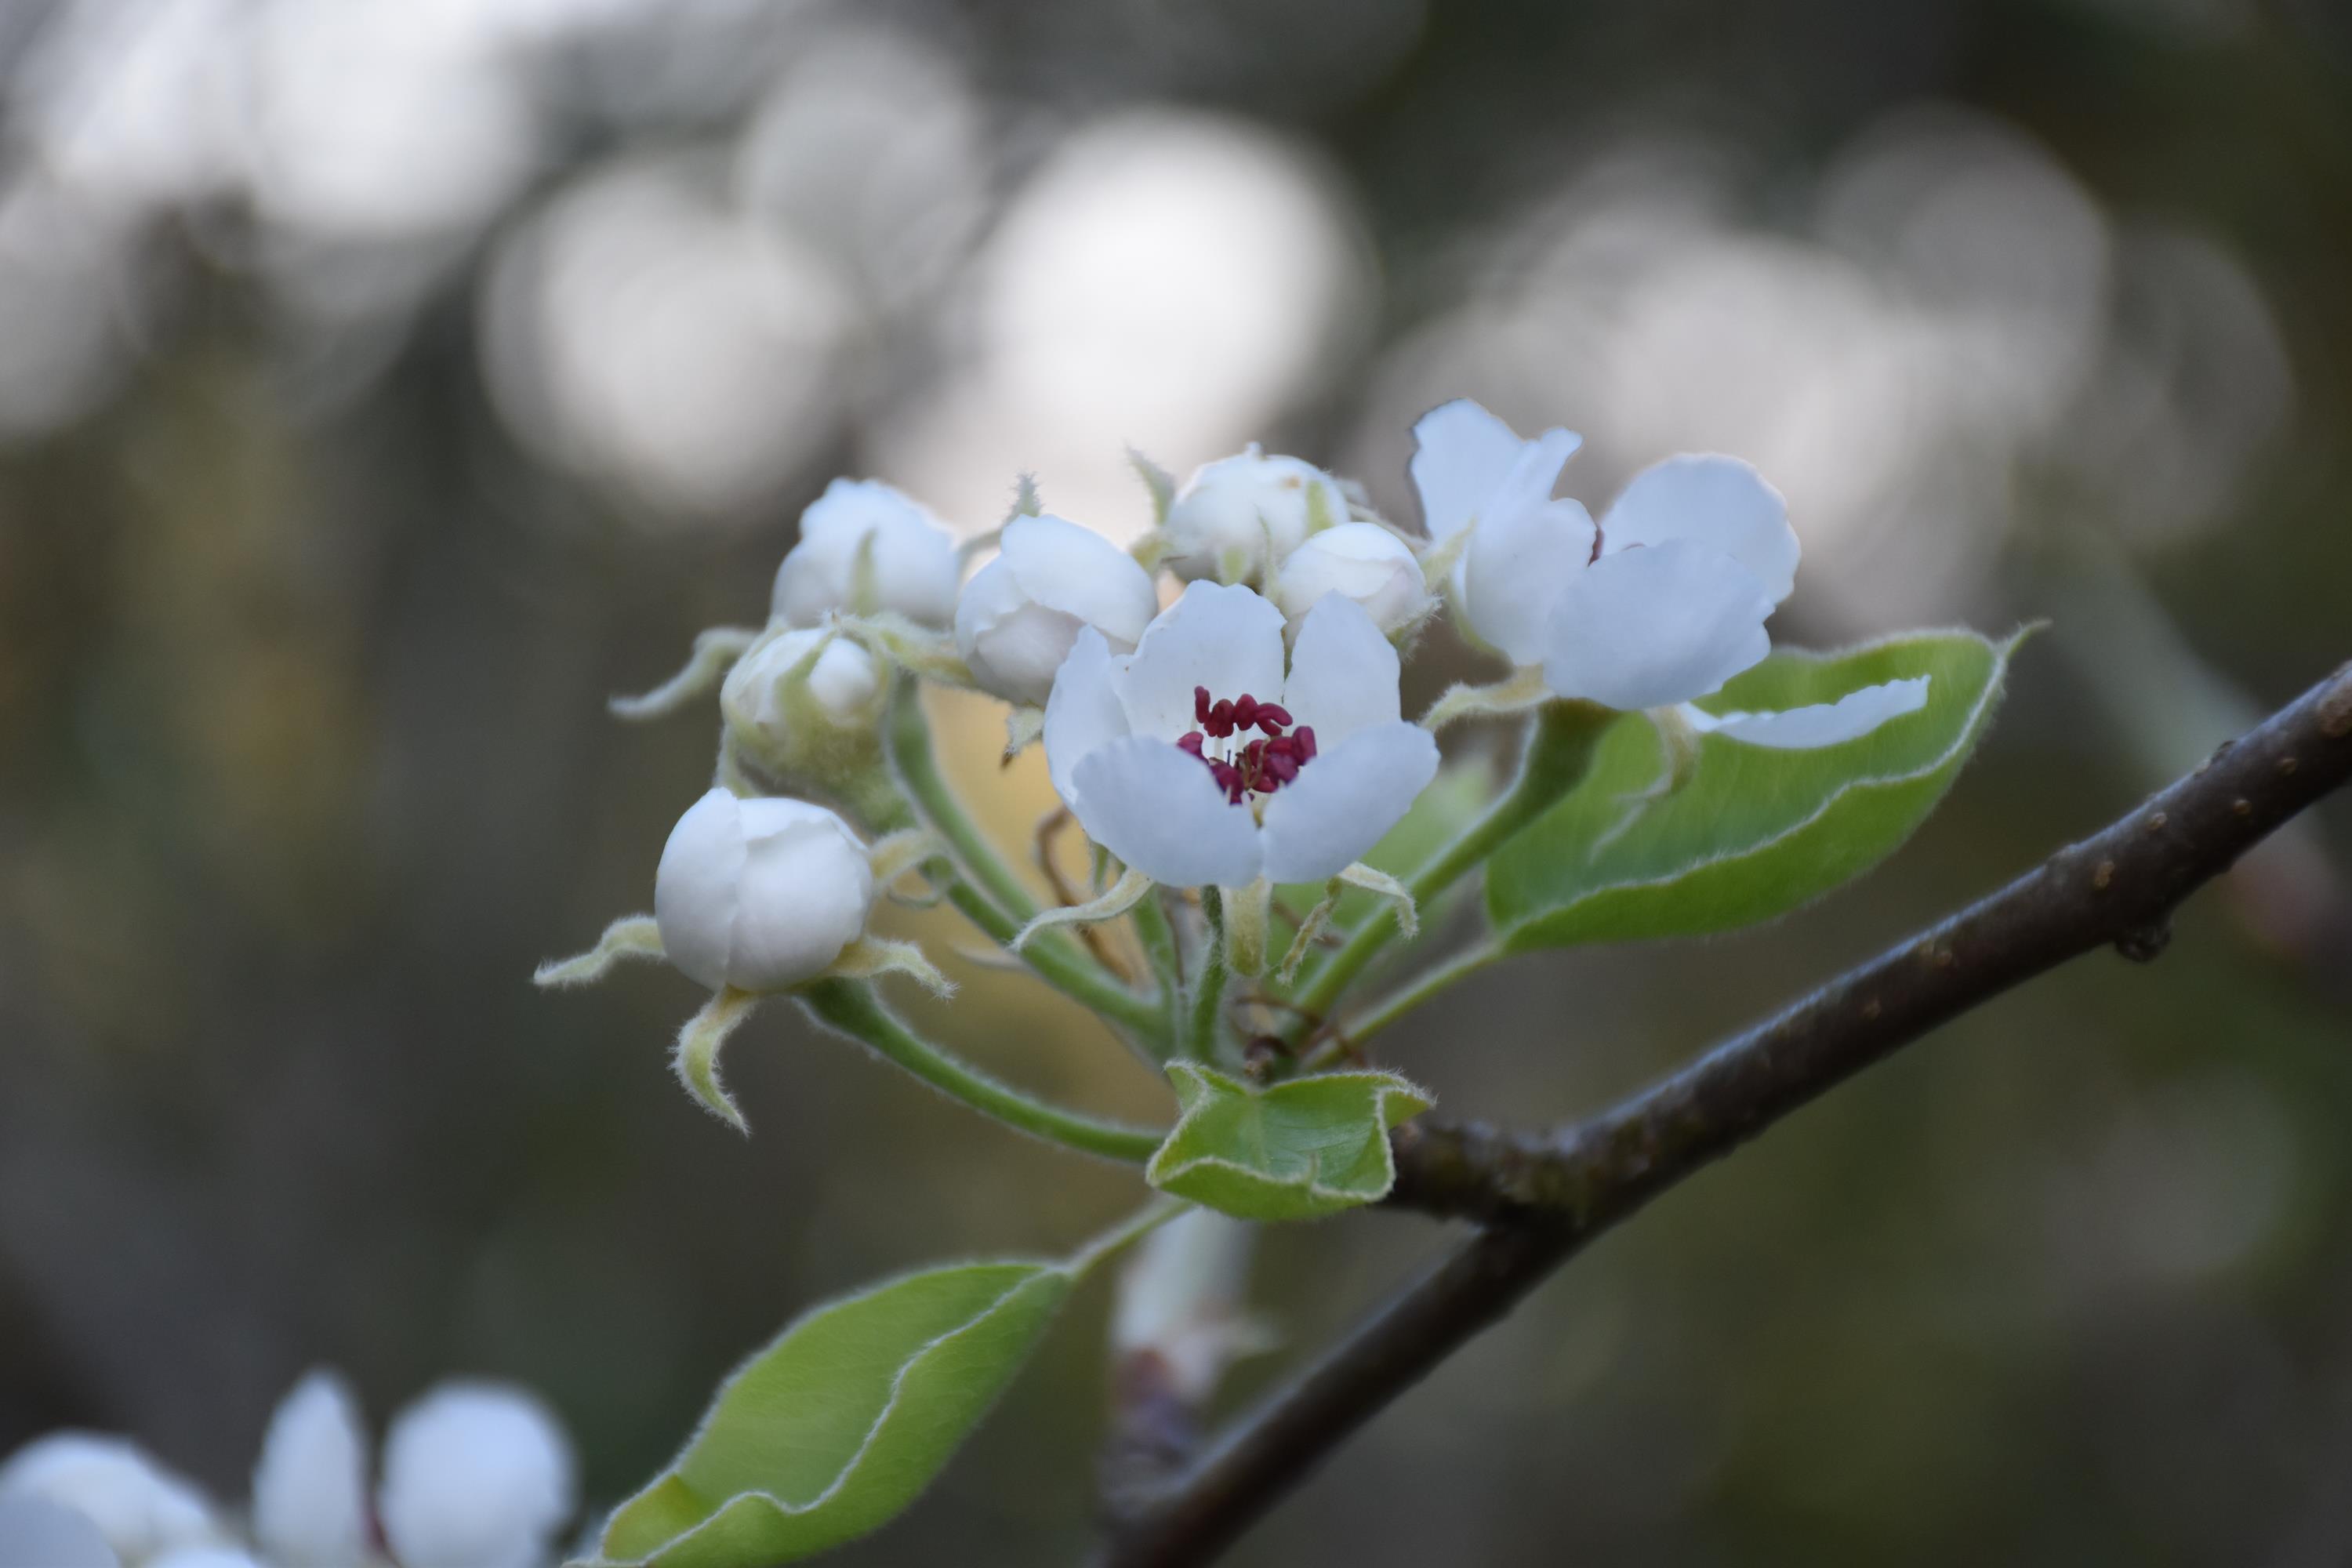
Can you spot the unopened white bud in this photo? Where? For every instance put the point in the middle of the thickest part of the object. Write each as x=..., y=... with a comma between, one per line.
x=310, y=1487
x=475, y=1475
x=868, y=549
x=806, y=702
x=1357, y=561
x=1238, y=518
x=760, y=894
x=142, y=1509
x=1021, y=611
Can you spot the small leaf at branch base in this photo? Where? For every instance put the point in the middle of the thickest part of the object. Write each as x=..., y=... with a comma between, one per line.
x=1300, y=1150
x=1754, y=831
x=842, y=1421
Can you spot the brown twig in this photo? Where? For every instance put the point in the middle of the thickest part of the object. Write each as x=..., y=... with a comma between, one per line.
x=1543, y=1195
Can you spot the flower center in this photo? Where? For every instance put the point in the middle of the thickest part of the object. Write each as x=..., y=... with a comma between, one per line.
x=1242, y=764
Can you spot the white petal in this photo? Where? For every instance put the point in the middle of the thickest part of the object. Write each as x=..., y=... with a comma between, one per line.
x=1340, y=804
x=208, y=1557
x=1462, y=454
x=808, y=884
x=310, y=1487
x=1518, y=561
x=1084, y=713
x=1850, y=718
x=1717, y=501
x=1363, y=561
x=1158, y=809
x=1076, y=570
x=475, y=1475
x=142, y=1509
x=696, y=885
x=36, y=1532
x=1343, y=673
x=1228, y=639
x=1647, y=628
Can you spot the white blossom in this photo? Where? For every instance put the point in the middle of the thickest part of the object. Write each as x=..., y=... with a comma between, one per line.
x=142, y=1509
x=760, y=894
x=1020, y=613
x=1362, y=562
x=310, y=1485
x=475, y=1474
x=1661, y=602
x=1202, y=758
x=1239, y=518
x=863, y=526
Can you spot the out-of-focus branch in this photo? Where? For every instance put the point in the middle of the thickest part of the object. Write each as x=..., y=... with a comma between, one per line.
x=1543, y=1195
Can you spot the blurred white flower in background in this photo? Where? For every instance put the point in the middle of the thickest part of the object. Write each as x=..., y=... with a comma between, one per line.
x=1169, y=279
x=475, y=1474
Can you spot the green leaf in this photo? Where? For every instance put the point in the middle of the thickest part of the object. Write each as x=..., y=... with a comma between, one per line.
x=1300, y=1150
x=844, y=1420
x=1752, y=832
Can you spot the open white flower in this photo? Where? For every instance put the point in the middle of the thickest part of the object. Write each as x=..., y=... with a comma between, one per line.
x=1659, y=602
x=760, y=894
x=1201, y=759
x=1020, y=613
x=867, y=548
x=1238, y=518
x=1361, y=562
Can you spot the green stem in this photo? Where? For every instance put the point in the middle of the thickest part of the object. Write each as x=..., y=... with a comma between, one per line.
x=1558, y=751
x=1158, y=938
x=1209, y=985
x=990, y=894
x=1414, y=993
x=852, y=1009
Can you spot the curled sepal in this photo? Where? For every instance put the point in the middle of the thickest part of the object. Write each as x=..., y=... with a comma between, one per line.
x=1300, y=1150
x=696, y=1057
x=918, y=649
x=1317, y=921
x=1522, y=689
x=1131, y=889
x=844, y=1419
x=870, y=956
x=1439, y=559
x=1158, y=481
x=631, y=936
x=1381, y=885
x=1025, y=722
x=894, y=855
x=1678, y=749
x=715, y=652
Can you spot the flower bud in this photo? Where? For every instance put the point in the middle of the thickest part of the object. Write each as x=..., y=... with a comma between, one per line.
x=805, y=702
x=475, y=1474
x=1357, y=561
x=142, y=1509
x=760, y=894
x=1236, y=520
x=1021, y=611
x=868, y=549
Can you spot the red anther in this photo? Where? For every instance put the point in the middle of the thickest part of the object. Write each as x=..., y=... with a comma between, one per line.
x=1200, y=705
x=1244, y=712
x=1220, y=721
x=1191, y=743
x=1281, y=766
x=1302, y=740
x=1229, y=779
x=1273, y=718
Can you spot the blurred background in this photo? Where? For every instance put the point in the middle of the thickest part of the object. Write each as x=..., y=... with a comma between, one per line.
x=384, y=382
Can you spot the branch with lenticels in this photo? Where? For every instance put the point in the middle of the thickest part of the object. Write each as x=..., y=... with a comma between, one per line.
x=1540, y=1196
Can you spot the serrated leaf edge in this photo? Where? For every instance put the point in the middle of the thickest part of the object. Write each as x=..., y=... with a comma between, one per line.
x=1979, y=716
x=1194, y=1098
x=1044, y=1268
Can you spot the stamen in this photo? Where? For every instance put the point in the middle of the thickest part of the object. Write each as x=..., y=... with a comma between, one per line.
x=1265, y=761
